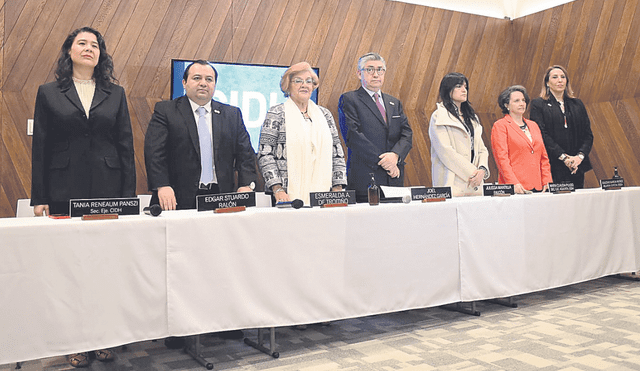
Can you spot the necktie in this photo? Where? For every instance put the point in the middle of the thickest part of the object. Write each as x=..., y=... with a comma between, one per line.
x=380, y=107
x=206, y=150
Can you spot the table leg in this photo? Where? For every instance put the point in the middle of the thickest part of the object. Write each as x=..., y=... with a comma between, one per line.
x=260, y=343
x=459, y=308
x=507, y=302
x=193, y=348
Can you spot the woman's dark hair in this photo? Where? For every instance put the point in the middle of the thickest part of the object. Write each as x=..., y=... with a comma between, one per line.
x=102, y=73
x=505, y=97
x=448, y=83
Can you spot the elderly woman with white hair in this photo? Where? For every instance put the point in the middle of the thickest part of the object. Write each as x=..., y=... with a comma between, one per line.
x=300, y=150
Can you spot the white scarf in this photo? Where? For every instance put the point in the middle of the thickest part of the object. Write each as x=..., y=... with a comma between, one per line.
x=309, y=151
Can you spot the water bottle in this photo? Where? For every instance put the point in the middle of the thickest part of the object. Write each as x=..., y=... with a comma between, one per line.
x=374, y=191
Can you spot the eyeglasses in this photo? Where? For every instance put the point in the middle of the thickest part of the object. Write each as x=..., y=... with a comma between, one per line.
x=371, y=70
x=299, y=81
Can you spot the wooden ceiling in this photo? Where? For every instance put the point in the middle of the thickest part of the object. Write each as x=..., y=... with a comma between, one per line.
x=596, y=40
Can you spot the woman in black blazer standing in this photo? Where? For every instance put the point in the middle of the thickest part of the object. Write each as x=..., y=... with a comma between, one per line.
x=82, y=140
x=565, y=127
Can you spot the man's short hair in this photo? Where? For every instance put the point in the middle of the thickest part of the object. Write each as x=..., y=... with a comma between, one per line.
x=185, y=76
x=370, y=57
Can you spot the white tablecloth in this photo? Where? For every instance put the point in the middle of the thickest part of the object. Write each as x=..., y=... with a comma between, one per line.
x=275, y=267
x=72, y=285
x=526, y=243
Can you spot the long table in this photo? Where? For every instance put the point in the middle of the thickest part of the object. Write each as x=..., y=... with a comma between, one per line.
x=72, y=285
x=525, y=244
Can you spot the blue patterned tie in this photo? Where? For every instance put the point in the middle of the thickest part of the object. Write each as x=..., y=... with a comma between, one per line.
x=206, y=152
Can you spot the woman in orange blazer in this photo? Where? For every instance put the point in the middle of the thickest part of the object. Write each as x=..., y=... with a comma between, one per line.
x=517, y=145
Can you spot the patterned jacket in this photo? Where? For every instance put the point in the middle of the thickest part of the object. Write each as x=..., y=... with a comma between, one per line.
x=272, y=152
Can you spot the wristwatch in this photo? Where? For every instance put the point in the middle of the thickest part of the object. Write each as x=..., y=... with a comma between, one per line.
x=581, y=155
x=252, y=185
x=563, y=157
x=486, y=172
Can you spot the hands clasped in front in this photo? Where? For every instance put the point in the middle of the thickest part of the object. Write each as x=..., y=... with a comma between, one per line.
x=572, y=162
x=389, y=162
x=476, y=179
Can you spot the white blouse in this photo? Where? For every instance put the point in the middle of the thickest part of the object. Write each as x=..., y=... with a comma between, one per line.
x=85, y=89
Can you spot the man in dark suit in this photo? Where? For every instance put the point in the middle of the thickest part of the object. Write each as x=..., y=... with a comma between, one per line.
x=194, y=145
x=375, y=129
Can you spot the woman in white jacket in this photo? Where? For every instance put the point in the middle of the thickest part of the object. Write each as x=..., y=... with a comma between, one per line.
x=459, y=158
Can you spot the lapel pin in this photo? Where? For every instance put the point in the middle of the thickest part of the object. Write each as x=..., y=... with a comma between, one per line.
x=216, y=111
x=391, y=103
x=549, y=104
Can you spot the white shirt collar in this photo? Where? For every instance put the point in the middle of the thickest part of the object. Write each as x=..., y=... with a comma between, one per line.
x=194, y=106
x=371, y=93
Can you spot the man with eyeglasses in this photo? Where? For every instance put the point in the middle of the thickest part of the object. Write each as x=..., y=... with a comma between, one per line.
x=375, y=129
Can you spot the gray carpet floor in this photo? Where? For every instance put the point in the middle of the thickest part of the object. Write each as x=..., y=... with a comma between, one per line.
x=589, y=326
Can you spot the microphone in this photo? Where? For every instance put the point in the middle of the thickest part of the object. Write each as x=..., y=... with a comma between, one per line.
x=153, y=210
x=296, y=204
x=406, y=199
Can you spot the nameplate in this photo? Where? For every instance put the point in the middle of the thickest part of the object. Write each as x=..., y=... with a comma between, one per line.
x=438, y=199
x=498, y=189
x=561, y=187
x=227, y=210
x=99, y=216
x=328, y=198
x=427, y=193
x=334, y=205
x=94, y=206
x=610, y=184
x=225, y=200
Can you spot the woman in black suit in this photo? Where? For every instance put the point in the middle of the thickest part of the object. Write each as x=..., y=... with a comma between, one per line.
x=565, y=127
x=82, y=140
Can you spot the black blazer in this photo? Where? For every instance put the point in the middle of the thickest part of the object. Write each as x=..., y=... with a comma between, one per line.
x=172, y=150
x=577, y=137
x=367, y=136
x=78, y=157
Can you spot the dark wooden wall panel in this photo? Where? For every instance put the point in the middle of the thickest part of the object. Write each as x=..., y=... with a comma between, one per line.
x=5, y=164
x=598, y=41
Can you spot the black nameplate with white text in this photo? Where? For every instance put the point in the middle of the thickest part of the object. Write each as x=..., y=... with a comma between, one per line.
x=94, y=206
x=561, y=187
x=615, y=183
x=224, y=200
x=330, y=198
x=427, y=193
x=498, y=189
